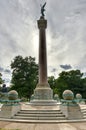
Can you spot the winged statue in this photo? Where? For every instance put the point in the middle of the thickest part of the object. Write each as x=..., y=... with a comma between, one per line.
x=42, y=9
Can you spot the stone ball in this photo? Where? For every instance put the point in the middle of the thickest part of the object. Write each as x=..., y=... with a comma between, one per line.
x=78, y=96
x=68, y=95
x=32, y=97
x=13, y=95
x=56, y=96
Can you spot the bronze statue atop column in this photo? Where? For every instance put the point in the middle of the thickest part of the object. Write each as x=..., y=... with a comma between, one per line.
x=42, y=9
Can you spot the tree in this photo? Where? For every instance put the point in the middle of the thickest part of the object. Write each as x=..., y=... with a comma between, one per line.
x=24, y=75
x=70, y=80
x=84, y=88
x=1, y=80
x=52, y=83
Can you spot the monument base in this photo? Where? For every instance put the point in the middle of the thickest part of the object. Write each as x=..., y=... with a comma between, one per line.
x=43, y=92
x=43, y=95
x=43, y=102
x=8, y=111
x=71, y=111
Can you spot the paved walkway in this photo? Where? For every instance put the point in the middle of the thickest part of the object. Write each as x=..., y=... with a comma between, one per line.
x=42, y=126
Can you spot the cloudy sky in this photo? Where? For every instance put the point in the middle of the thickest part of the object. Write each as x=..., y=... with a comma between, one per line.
x=66, y=33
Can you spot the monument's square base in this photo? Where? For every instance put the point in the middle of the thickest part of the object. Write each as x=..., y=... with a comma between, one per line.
x=71, y=111
x=43, y=95
x=43, y=92
x=8, y=111
x=43, y=102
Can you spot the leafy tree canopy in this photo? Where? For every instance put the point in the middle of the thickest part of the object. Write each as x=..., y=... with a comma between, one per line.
x=72, y=80
x=1, y=80
x=24, y=75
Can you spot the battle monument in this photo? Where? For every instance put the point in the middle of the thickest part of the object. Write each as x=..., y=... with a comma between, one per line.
x=43, y=94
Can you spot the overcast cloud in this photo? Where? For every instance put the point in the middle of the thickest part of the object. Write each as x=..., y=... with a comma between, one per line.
x=66, y=32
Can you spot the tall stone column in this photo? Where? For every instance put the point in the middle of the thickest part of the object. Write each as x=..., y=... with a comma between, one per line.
x=43, y=94
x=42, y=25
x=43, y=90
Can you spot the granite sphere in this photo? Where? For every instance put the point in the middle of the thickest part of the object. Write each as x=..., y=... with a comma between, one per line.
x=78, y=96
x=13, y=95
x=32, y=97
x=56, y=97
x=68, y=95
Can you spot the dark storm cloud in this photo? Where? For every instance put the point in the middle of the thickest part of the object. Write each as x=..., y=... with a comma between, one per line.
x=66, y=67
x=7, y=71
x=1, y=69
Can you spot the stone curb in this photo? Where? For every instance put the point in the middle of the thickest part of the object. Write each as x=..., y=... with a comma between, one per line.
x=42, y=121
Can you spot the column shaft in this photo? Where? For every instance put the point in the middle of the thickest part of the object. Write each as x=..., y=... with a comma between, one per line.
x=42, y=57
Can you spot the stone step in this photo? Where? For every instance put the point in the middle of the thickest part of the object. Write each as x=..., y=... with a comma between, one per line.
x=39, y=118
x=83, y=110
x=84, y=116
x=39, y=112
x=40, y=115
x=84, y=113
x=42, y=110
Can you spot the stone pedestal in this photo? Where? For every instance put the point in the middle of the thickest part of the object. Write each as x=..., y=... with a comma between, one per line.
x=71, y=111
x=8, y=111
x=43, y=92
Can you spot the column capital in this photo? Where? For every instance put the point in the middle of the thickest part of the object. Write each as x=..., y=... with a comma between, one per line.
x=42, y=23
